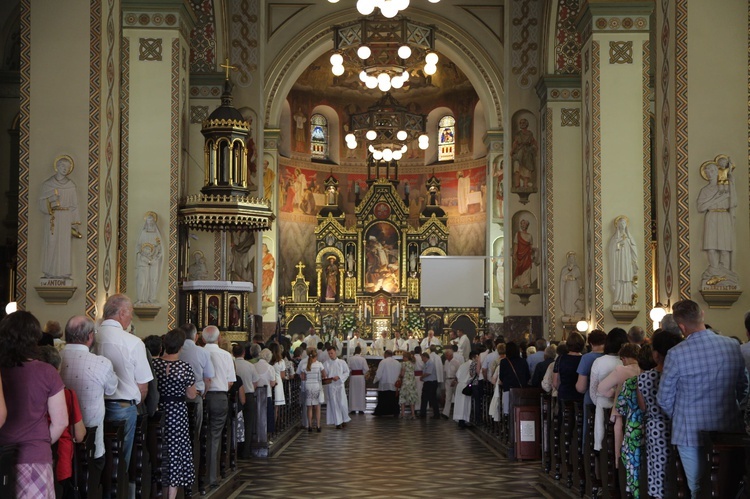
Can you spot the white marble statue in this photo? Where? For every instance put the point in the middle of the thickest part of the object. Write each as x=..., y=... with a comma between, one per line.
x=149, y=259
x=59, y=203
x=571, y=289
x=500, y=277
x=623, y=264
x=718, y=200
x=198, y=269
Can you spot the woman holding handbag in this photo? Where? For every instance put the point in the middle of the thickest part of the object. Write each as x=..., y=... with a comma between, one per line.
x=512, y=373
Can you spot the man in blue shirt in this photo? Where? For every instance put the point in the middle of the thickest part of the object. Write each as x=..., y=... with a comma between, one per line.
x=429, y=389
x=703, y=381
x=596, y=339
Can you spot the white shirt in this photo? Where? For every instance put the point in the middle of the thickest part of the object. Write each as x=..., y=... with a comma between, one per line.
x=128, y=356
x=312, y=340
x=353, y=344
x=464, y=346
x=435, y=358
x=338, y=368
x=388, y=372
x=450, y=368
x=397, y=344
x=266, y=373
x=358, y=363
x=426, y=342
x=91, y=377
x=246, y=371
x=412, y=343
x=200, y=360
x=223, y=368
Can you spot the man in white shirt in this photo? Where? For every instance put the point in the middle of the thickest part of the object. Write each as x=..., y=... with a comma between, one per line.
x=388, y=372
x=397, y=343
x=312, y=339
x=246, y=372
x=337, y=411
x=357, y=390
x=450, y=368
x=216, y=399
x=200, y=360
x=429, y=340
x=355, y=342
x=128, y=356
x=90, y=376
x=464, y=345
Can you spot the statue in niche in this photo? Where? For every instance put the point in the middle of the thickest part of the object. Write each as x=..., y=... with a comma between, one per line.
x=571, y=289
x=499, y=175
x=718, y=200
x=350, y=261
x=198, y=269
x=149, y=261
x=525, y=257
x=413, y=261
x=500, y=277
x=242, y=256
x=623, y=265
x=524, y=153
x=269, y=269
x=269, y=176
x=234, y=312
x=59, y=203
x=332, y=272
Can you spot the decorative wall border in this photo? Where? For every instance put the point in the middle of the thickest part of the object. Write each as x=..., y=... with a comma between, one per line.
x=217, y=256
x=174, y=177
x=244, y=21
x=24, y=126
x=122, y=247
x=524, y=37
x=109, y=150
x=92, y=216
x=208, y=91
x=666, y=155
x=621, y=23
x=588, y=208
x=155, y=20
x=596, y=142
x=549, y=222
x=648, y=260
x=568, y=40
x=681, y=148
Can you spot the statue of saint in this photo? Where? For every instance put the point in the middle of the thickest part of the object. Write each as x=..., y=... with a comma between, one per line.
x=350, y=261
x=332, y=271
x=523, y=152
x=269, y=268
x=268, y=179
x=623, y=264
x=242, y=256
x=500, y=277
x=718, y=200
x=524, y=256
x=148, y=261
x=198, y=270
x=59, y=203
x=571, y=288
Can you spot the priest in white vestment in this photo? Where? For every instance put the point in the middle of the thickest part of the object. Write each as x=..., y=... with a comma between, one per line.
x=388, y=372
x=380, y=345
x=357, y=389
x=312, y=339
x=412, y=343
x=397, y=343
x=337, y=412
x=462, y=407
x=464, y=345
x=450, y=368
x=429, y=340
x=355, y=342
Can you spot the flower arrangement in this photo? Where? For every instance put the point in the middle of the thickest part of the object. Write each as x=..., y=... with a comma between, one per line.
x=415, y=324
x=348, y=322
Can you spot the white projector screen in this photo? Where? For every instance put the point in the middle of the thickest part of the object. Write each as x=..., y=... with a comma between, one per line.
x=452, y=281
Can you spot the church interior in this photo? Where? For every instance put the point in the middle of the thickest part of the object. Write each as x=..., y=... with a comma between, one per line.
x=268, y=167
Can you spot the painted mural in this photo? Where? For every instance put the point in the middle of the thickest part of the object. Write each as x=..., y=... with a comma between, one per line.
x=382, y=258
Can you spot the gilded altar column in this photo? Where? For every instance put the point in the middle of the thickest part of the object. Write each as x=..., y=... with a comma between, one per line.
x=616, y=162
x=563, y=298
x=154, y=133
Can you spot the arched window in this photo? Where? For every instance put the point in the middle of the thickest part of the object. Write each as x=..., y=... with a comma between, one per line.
x=319, y=136
x=446, y=138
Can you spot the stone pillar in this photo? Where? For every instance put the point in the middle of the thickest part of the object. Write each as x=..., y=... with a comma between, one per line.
x=616, y=161
x=497, y=184
x=269, y=171
x=562, y=195
x=155, y=128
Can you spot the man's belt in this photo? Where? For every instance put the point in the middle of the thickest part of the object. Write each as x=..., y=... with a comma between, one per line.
x=357, y=372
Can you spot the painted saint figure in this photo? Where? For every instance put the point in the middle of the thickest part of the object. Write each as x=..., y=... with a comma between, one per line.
x=269, y=268
x=464, y=189
x=59, y=202
x=242, y=256
x=523, y=257
x=149, y=261
x=623, y=264
x=332, y=271
x=571, y=288
x=523, y=153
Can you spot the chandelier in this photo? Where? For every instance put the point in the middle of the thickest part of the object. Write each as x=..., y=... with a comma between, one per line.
x=387, y=126
x=388, y=8
x=383, y=49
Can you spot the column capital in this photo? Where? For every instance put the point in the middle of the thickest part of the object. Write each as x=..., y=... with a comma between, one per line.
x=158, y=14
x=493, y=140
x=563, y=88
x=607, y=16
x=271, y=139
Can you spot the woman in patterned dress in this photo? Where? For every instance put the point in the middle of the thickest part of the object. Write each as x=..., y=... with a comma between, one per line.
x=658, y=426
x=176, y=381
x=408, y=395
x=313, y=375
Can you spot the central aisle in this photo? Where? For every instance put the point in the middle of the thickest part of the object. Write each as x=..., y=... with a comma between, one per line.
x=386, y=457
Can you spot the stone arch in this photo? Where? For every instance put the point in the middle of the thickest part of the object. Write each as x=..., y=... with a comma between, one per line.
x=467, y=53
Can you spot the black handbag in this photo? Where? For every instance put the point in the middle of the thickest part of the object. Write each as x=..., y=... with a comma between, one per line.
x=468, y=389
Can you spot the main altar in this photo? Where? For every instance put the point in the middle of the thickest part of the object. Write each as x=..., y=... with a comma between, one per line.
x=367, y=272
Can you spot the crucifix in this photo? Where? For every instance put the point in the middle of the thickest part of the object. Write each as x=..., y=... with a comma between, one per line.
x=300, y=266
x=227, y=67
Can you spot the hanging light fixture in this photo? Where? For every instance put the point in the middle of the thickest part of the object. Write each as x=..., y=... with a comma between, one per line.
x=387, y=126
x=388, y=8
x=384, y=49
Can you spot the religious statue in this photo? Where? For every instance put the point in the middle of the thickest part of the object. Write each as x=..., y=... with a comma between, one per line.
x=525, y=257
x=463, y=191
x=500, y=277
x=571, y=289
x=213, y=311
x=242, y=256
x=149, y=259
x=268, y=178
x=331, y=196
x=234, y=312
x=413, y=260
x=718, y=200
x=59, y=203
x=332, y=272
x=198, y=269
x=523, y=152
x=623, y=264
x=499, y=176
x=350, y=261
x=269, y=268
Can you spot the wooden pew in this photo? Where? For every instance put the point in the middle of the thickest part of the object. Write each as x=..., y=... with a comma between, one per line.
x=546, y=408
x=8, y=457
x=612, y=478
x=114, y=435
x=136, y=465
x=156, y=452
x=726, y=453
x=579, y=447
x=83, y=465
x=595, y=483
x=568, y=430
x=556, y=429
x=202, y=468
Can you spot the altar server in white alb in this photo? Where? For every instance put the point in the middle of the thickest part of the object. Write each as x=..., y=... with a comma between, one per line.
x=357, y=390
x=337, y=412
x=388, y=372
x=464, y=345
x=450, y=369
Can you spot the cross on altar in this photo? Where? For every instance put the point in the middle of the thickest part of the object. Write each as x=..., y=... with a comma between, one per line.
x=227, y=67
x=300, y=266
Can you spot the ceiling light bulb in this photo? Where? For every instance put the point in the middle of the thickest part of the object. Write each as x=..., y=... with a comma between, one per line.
x=337, y=59
x=434, y=1
x=401, y=135
x=404, y=148
x=397, y=155
x=377, y=155
x=363, y=76
x=350, y=137
x=397, y=82
x=371, y=135
x=431, y=58
x=364, y=52
x=388, y=10
x=404, y=51
x=337, y=70
x=424, y=138
x=383, y=77
x=384, y=86
x=405, y=76
x=365, y=7
x=334, y=1
x=370, y=148
x=423, y=145
x=352, y=144
x=371, y=82
x=401, y=4
x=430, y=69
x=387, y=154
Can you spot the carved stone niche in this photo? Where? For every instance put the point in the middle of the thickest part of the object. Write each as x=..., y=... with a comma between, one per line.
x=721, y=298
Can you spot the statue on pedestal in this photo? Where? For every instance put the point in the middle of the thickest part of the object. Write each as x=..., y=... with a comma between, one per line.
x=571, y=289
x=149, y=258
x=623, y=265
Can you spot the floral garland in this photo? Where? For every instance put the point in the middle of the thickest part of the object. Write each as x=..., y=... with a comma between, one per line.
x=415, y=324
x=348, y=322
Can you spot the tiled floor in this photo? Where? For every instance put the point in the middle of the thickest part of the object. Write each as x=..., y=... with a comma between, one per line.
x=386, y=457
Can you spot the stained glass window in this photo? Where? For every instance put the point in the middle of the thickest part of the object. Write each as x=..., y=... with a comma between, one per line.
x=319, y=136
x=446, y=138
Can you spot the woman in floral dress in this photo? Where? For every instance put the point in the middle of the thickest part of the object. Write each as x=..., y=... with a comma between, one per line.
x=408, y=394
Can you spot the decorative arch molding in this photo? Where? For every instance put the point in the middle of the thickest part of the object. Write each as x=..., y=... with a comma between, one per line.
x=465, y=51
